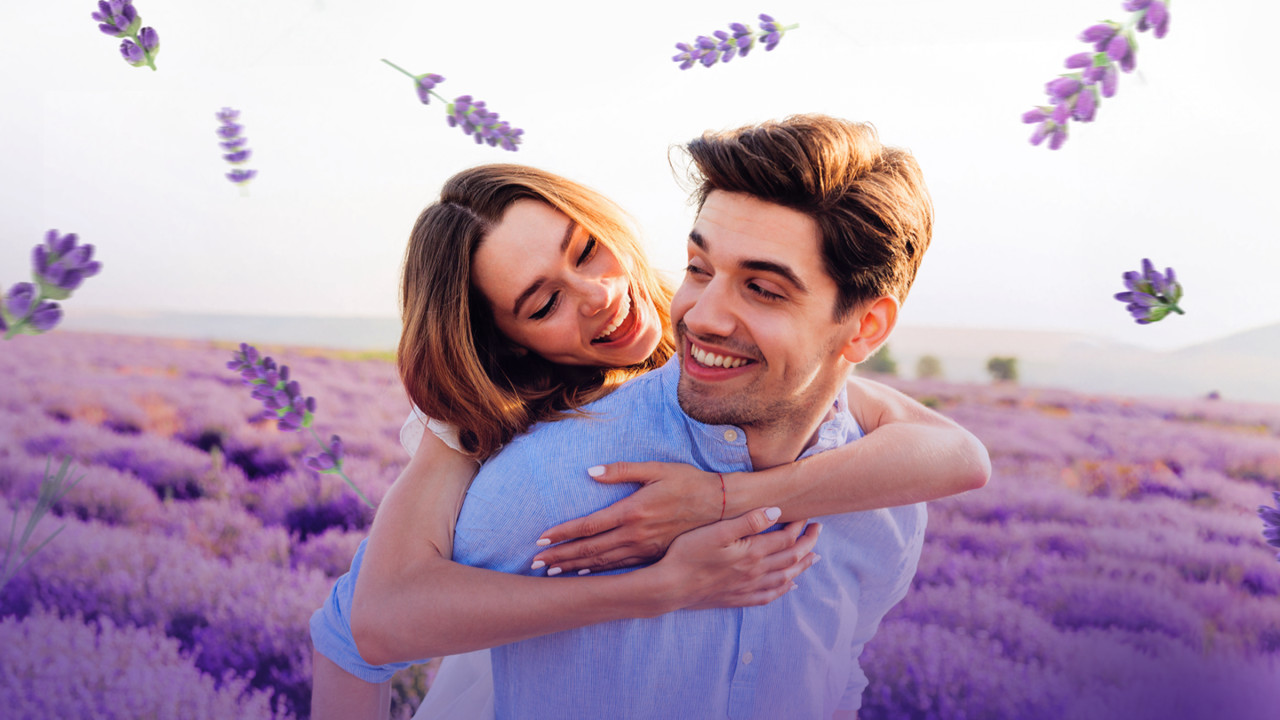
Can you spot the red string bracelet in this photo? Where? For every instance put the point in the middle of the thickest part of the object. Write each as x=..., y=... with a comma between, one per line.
x=724, y=496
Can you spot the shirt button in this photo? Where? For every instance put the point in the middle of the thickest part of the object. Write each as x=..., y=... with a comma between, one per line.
x=747, y=657
x=730, y=435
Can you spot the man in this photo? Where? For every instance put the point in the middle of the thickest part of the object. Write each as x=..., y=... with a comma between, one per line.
x=808, y=237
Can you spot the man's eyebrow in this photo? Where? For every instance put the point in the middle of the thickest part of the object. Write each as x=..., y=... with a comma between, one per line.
x=768, y=266
x=533, y=288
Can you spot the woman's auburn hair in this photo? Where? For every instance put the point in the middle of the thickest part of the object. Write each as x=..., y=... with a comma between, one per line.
x=454, y=363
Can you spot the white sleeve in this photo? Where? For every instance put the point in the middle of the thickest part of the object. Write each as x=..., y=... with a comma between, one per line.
x=418, y=423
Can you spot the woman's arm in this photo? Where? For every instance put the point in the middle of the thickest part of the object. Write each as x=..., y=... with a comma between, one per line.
x=407, y=579
x=910, y=454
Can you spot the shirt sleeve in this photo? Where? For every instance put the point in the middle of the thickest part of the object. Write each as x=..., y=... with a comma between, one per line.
x=418, y=423
x=331, y=630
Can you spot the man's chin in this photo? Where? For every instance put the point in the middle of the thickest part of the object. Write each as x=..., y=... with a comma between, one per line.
x=710, y=408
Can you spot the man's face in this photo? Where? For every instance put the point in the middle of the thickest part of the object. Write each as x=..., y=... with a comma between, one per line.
x=759, y=346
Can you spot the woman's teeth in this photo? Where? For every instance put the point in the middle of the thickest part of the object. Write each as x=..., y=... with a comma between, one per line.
x=623, y=312
x=713, y=360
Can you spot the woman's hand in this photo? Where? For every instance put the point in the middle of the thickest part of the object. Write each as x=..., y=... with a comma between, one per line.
x=733, y=563
x=673, y=498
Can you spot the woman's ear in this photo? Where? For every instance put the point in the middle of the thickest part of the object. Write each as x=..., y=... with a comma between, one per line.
x=870, y=325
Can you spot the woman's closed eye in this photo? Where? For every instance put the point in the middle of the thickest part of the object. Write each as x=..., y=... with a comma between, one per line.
x=547, y=307
x=588, y=250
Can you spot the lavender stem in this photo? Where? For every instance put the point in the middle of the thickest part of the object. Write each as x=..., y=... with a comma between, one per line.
x=341, y=472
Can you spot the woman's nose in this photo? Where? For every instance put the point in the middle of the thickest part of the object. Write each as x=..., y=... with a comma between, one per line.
x=595, y=296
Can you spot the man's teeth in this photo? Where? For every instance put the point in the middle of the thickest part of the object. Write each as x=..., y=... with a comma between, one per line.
x=623, y=312
x=713, y=360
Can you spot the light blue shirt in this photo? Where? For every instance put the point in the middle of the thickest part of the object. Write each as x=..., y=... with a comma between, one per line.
x=793, y=658
x=796, y=657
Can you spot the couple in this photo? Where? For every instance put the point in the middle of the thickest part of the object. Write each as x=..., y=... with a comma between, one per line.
x=527, y=303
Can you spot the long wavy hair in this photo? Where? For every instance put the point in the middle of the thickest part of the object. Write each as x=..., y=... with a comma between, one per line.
x=455, y=364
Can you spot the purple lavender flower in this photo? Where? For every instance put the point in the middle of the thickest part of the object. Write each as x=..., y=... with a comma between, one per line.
x=1271, y=523
x=22, y=297
x=328, y=461
x=1151, y=295
x=59, y=266
x=233, y=142
x=471, y=115
x=724, y=46
x=118, y=18
x=1075, y=96
x=283, y=399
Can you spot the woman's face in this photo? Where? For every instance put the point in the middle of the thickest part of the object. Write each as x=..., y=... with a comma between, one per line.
x=559, y=293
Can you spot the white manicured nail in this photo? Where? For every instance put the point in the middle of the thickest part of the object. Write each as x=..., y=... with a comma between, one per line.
x=773, y=513
x=584, y=571
x=595, y=470
x=543, y=542
x=554, y=571
x=537, y=565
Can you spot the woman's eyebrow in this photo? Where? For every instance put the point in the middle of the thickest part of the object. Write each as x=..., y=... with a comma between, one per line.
x=533, y=288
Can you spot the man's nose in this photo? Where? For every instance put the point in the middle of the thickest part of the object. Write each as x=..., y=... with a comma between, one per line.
x=712, y=312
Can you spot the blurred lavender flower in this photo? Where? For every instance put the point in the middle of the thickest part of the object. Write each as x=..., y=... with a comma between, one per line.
x=1271, y=523
x=1075, y=96
x=471, y=115
x=283, y=400
x=723, y=46
x=118, y=18
x=59, y=266
x=233, y=142
x=1151, y=295
x=328, y=461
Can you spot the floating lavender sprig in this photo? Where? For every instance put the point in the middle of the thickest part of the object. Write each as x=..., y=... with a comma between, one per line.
x=52, y=489
x=471, y=115
x=60, y=265
x=233, y=142
x=283, y=400
x=118, y=18
x=1151, y=295
x=725, y=46
x=1271, y=523
x=1075, y=95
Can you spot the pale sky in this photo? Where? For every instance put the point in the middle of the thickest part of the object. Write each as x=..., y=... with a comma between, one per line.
x=1177, y=166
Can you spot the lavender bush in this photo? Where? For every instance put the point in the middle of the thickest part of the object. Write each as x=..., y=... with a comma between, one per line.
x=118, y=18
x=465, y=112
x=723, y=46
x=1113, y=567
x=1076, y=95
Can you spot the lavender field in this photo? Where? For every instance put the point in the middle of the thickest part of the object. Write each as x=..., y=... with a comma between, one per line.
x=1114, y=567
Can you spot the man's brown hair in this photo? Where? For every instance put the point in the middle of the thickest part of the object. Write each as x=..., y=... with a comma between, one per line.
x=869, y=200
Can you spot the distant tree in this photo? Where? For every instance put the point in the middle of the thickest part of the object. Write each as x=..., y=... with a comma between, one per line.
x=1003, y=368
x=928, y=367
x=881, y=362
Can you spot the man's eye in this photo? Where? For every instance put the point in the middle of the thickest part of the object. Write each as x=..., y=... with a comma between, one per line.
x=763, y=293
x=587, y=251
x=546, y=309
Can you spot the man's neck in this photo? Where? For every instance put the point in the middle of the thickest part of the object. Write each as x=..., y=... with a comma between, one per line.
x=779, y=443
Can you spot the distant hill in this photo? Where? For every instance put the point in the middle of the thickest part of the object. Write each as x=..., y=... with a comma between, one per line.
x=1243, y=366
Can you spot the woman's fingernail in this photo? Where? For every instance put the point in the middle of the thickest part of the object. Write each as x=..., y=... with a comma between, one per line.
x=537, y=565
x=793, y=587
x=543, y=542
x=773, y=513
x=584, y=571
x=595, y=470
x=815, y=560
x=554, y=571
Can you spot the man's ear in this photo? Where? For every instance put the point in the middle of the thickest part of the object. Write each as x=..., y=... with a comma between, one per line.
x=870, y=325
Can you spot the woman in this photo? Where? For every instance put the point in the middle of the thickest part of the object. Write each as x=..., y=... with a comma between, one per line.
x=524, y=296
